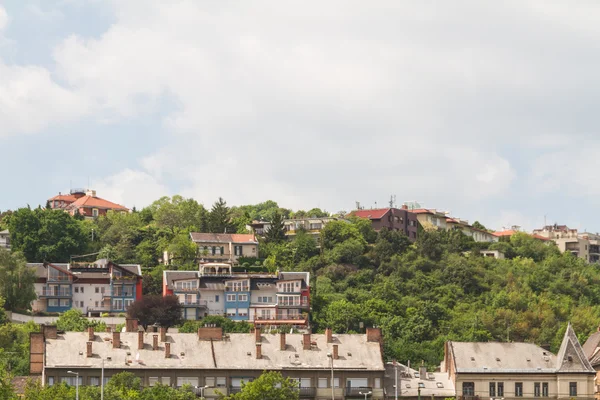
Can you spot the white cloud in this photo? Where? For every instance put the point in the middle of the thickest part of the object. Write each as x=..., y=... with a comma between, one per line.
x=131, y=188
x=3, y=18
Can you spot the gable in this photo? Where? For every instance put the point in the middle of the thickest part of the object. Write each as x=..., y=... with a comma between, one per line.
x=571, y=357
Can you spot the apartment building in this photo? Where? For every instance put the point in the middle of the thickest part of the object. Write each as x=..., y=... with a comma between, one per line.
x=224, y=247
x=5, y=239
x=394, y=219
x=519, y=370
x=478, y=235
x=312, y=225
x=84, y=202
x=281, y=298
x=92, y=288
x=583, y=245
x=348, y=365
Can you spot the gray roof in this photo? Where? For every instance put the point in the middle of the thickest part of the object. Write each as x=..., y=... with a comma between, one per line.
x=438, y=384
x=238, y=351
x=571, y=357
x=170, y=276
x=591, y=348
x=4, y=232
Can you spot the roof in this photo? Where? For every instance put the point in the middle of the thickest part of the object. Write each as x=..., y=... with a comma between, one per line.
x=4, y=232
x=170, y=276
x=377, y=213
x=500, y=357
x=591, y=348
x=438, y=384
x=238, y=352
x=69, y=198
x=571, y=357
x=96, y=202
x=511, y=232
x=223, y=237
x=422, y=211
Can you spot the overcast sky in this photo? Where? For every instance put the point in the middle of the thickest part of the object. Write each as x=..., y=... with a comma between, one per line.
x=487, y=109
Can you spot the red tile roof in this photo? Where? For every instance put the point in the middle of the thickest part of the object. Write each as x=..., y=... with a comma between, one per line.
x=511, y=232
x=223, y=237
x=377, y=213
x=421, y=211
x=96, y=202
x=69, y=198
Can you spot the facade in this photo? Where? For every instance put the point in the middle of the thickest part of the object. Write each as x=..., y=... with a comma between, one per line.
x=583, y=245
x=216, y=362
x=5, y=239
x=281, y=298
x=100, y=287
x=415, y=384
x=84, y=202
x=394, y=219
x=312, y=225
x=519, y=370
x=478, y=235
x=591, y=348
x=224, y=247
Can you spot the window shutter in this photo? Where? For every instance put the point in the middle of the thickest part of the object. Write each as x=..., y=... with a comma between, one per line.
x=222, y=250
x=213, y=250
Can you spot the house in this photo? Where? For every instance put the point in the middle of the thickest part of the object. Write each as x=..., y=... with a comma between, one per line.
x=224, y=247
x=478, y=235
x=394, y=219
x=84, y=202
x=312, y=225
x=94, y=288
x=583, y=245
x=281, y=298
x=431, y=218
x=5, y=239
x=591, y=348
x=347, y=364
x=414, y=384
x=519, y=370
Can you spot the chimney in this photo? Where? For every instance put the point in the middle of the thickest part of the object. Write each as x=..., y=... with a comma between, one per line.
x=258, y=351
x=163, y=334
x=404, y=207
x=155, y=342
x=282, y=343
x=329, y=335
x=257, y=335
x=373, y=335
x=91, y=334
x=49, y=331
x=306, y=341
x=167, y=350
x=140, y=340
x=131, y=324
x=423, y=370
x=335, y=352
x=116, y=340
x=89, y=349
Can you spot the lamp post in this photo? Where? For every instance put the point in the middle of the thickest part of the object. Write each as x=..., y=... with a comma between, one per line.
x=332, y=388
x=102, y=382
x=365, y=394
x=202, y=388
x=76, y=383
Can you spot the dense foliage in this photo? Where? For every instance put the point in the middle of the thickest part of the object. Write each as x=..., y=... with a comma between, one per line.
x=154, y=309
x=270, y=385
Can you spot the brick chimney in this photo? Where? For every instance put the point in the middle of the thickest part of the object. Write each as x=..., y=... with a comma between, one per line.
x=116, y=340
x=257, y=336
x=306, y=341
x=258, y=351
x=328, y=335
x=163, y=334
x=282, y=343
x=49, y=331
x=335, y=352
x=374, y=335
x=140, y=340
x=167, y=350
x=91, y=334
x=131, y=324
x=89, y=349
x=155, y=342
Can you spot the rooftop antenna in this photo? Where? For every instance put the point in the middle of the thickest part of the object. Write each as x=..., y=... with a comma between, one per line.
x=393, y=201
x=375, y=204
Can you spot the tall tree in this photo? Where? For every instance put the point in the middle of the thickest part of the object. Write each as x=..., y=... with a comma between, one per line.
x=276, y=232
x=156, y=309
x=220, y=217
x=16, y=281
x=270, y=385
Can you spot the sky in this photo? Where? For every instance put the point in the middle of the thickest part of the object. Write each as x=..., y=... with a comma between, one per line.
x=487, y=110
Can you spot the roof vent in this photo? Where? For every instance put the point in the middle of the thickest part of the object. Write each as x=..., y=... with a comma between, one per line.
x=498, y=359
x=570, y=358
x=182, y=354
x=472, y=358
x=349, y=354
x=248, y=354
x=439, y=384
x=528, y=359
x=109, y=358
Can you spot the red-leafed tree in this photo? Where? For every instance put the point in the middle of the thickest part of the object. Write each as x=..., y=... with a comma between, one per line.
x=156, y=309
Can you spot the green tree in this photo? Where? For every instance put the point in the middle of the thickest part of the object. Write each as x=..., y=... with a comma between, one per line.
x=270, y=385
x=220, y=218
x=7, y=390
x=16, y=281
x=276, y=232
x=74, y=321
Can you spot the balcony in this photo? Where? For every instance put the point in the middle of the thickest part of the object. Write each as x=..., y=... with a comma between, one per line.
x=296, y=304
x=118, y=293
x=281, y=320
x=49, y=293
x=356, y=391
x=237, y=289
x=60, y=278
x=307, y=392
x=234, y=389
x=196, y=303
x=185, y=290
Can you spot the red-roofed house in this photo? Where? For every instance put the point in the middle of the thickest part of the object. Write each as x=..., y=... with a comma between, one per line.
x=395, y=219
x=85, y=203
x=229, y=247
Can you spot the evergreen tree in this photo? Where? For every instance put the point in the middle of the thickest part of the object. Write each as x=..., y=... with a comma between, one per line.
x=220, y=218
x=276, y=232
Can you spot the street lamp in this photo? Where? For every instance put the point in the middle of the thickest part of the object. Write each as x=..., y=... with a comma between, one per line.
x=332, y=389
x=202, y=388
x=76, y=383
x=365, y=394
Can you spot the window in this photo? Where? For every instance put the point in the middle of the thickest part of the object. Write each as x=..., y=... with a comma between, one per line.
x=421, y=385
x=518, y=389
x=265, y=299
x=243, y=312
x=82, y=289
x=94, y=381
x=165, y=380
x=500, y=389
x=237, y=250
x=243, y=297
x=217, y=251
x=322, y=383
x=52, y=302
x=492, y=389
x=216, y=298
x=102, y=290
x=72, y=380
x=128, y=302
x=573, y=389
x=152, y=381
x=377, y=383
x=545, y=389
x=117, y=304
x=64, y=303
x=536, y=389
x=76, y=289
x=468, y=388
x=94, y=212
x=50, y=380
x=336, y=382
x=96, y=304
x=231, y=297
x=230, y=312
x=187, y=381
x=221, y=381
x=209, y=381
x=81, y=304
x=186, y=285
x=97, y=289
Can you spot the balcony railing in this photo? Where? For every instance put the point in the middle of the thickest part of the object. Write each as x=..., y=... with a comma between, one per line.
x=292, y=303
x=55, y=293
x=237, y=289
x=118, y=293
x=356, y=391
x=185, y=289
x=59, y=278
x=235, y=389
x=195, y=303
x=307, y=391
